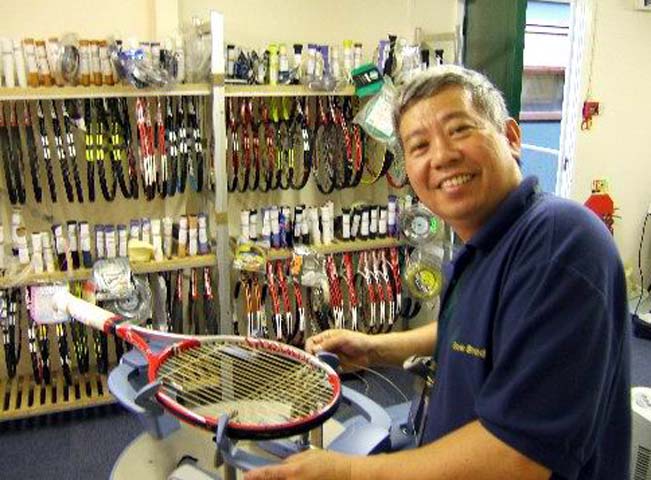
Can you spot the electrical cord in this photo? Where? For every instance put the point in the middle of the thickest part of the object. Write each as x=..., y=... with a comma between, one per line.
x=639, y=264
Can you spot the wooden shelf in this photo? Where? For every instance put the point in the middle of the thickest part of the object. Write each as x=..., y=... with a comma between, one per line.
x=62, y=93
x=176, y=263
x=191, y=89
x=339, y=246
x=197, y=261
x=21, y=398
x=282, y=91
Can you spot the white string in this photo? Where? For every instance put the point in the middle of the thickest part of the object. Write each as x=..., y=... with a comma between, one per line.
x=383, y=377
x=274, y=387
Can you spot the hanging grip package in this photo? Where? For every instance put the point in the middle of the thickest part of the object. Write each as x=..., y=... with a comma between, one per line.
x=376, y=117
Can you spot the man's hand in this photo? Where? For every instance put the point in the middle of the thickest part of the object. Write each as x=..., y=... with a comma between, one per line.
x=354, y=349
x=310, y=465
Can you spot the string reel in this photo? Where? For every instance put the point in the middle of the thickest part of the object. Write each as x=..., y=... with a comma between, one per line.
x=424, y=231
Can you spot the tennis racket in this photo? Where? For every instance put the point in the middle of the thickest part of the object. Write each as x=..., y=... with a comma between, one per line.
x=267, y=389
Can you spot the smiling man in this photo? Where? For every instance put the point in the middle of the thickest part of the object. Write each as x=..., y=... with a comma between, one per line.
x=531, y=345
x=460, y=163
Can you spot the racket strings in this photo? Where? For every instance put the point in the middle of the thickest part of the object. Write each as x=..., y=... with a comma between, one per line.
x=260, y=396
x=247, y=381
x=300, y=375
x=252, y=406
x=234, y=377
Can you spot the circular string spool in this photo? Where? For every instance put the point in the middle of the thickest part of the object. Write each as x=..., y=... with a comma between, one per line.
x=137, y=306
x=419, y=225
x=423, y=276
x=112, y=278
x=424, y=230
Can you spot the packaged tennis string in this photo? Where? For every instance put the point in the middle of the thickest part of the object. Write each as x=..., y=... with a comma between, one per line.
x=425, y=231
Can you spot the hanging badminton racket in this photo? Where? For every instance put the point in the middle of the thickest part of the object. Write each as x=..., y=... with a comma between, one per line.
x=267, y=389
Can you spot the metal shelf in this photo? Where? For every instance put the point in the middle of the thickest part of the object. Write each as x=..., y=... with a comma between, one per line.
x=197, y=261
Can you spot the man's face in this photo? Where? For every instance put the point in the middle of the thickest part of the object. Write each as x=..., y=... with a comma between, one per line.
x=458, y=163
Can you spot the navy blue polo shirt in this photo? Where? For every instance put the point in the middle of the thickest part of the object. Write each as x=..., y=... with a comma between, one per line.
x=533, y=338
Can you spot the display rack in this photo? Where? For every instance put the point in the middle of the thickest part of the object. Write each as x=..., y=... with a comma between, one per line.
x=282, y=91
x=64, y=93
x=188, y=89
x=21, y=398
x=85, y=273
x=340, y=247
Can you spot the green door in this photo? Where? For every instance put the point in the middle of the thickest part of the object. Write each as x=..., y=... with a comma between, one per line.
x=494, y=44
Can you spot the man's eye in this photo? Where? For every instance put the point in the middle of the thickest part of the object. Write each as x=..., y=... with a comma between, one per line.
x=458, y=129
x=416, y=147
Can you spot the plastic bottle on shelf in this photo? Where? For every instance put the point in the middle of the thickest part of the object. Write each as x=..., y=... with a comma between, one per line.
x=105, y=64
x=273, y=64
x=16, y=223
x=146, y=50
x=84, y=63
x=8, y=62
x=230, y=60
x=19, y=60
x=95, y=67
x=155, y=54
x=348, y=58
x=263, y=68
x=423, y=48
x=53, y=59
x=30, y=59
x=180, y=60
x=424, y=58
x=438, y=55
x=283, y=64
x=48, y=255
x=357, y=55
x=335, y=65
x=310, y=68
x=44, y=75
x=298, y=59
x=322, y=61
x=114, y=70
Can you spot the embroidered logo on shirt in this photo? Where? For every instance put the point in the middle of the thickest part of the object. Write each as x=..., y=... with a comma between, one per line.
x=468, y=349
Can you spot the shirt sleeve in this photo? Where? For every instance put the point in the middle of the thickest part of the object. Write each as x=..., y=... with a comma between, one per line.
x=553, y=358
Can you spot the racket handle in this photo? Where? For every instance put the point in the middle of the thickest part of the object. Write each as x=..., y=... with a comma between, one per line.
x=82, y=311
x=330, y=359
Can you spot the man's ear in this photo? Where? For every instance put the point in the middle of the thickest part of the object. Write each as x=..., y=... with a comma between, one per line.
x=514, y=137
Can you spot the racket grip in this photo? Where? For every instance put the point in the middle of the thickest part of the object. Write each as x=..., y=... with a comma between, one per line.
x=330, y=359
x=82, y=311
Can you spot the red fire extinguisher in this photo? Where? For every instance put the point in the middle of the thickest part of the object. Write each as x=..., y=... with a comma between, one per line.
x=602, y=204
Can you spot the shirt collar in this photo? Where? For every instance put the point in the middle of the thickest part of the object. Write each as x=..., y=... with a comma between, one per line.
x=513, y=206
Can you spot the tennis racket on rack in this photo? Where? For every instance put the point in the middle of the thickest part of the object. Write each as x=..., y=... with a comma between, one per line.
x=267, y=389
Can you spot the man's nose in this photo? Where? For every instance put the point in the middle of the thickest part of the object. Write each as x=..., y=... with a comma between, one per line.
x=444, y=152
